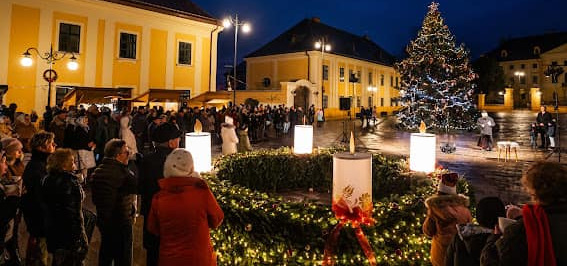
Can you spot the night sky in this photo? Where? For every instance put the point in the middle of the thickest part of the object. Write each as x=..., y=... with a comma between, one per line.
x=480, y=24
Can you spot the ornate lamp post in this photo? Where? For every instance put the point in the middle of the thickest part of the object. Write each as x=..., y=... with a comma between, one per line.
x=49, y=75
x=324, y=47
x=227, y=22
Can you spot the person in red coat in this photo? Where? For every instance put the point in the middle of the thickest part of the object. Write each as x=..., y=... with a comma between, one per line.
x=182, y=213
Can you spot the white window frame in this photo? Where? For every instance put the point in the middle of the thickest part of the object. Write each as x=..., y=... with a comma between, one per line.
x=177, y=53
x=137, y=45
x=58, y=32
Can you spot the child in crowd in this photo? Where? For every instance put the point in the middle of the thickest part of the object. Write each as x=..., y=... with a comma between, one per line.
x=533, y=136
x=551, y=128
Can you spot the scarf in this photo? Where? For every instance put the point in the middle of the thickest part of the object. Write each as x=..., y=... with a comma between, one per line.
x=540, y=246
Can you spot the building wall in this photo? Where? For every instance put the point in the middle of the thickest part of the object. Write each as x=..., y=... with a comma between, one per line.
x=557, y=55
x=35, y=23
x=298, y=66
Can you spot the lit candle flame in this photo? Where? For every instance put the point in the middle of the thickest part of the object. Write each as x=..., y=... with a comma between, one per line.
x=198, y=127
x=422, y=127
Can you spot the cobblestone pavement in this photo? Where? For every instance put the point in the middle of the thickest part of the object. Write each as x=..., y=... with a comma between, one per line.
x=488, y=176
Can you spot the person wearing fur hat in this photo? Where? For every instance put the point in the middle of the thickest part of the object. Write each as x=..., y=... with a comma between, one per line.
x=182, y=213
x=445, y=210
x=470, y=240
x=229, y=138
x=166, y=136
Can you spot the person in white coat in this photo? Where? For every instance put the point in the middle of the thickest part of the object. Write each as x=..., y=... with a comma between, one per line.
x=229, y=138
x=127, y=135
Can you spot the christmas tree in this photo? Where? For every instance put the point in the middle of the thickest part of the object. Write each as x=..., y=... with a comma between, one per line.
x=436, y=79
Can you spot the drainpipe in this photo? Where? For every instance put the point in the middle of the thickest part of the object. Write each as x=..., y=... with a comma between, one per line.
x=308, y=66
x=211, y=57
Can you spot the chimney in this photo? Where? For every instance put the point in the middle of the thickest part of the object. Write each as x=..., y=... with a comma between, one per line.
x=316, y=19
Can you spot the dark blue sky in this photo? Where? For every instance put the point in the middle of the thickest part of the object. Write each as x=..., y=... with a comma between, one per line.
x=480, y=24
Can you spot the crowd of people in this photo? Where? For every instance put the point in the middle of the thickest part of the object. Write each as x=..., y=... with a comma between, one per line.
x=121, y=157
x=532, y=234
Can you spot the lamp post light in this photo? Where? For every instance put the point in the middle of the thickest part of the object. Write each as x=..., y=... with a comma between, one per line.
x=372, y=90
x=49, y=75
x=324, y=47
x=227, y=23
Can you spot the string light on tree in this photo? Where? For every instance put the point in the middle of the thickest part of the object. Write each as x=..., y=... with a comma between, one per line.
x=436, y=79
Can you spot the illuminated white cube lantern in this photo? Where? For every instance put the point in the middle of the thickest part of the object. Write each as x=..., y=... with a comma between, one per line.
x=352, y=186
x=303, y=139
x=199, y=145
x=422, y=152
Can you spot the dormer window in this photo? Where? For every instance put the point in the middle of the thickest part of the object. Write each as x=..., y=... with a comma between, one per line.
x=537, y=50
x=503, y=53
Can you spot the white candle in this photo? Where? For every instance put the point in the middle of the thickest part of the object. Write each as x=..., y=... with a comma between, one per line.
x=422, y=152
x=352, y=183
x=303, y=139
x=199, y=145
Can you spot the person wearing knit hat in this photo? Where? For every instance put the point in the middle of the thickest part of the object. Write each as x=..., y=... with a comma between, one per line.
x=470, y=241
x=445, y=210
x=150, y=170
x=182, y=214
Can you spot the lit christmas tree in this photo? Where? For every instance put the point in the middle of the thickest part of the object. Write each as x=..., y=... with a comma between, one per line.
x=436, y=79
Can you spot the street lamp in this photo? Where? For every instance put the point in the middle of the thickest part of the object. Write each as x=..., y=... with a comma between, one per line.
x=227, y=23
x=372, y=90
x=49, y=75
x=519, y=74
x=324, y=47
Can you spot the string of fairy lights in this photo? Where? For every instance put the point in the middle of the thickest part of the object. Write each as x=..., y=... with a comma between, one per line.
x=262, y=229
x=436, y=79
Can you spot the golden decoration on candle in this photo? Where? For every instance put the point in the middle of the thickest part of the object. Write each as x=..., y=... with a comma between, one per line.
x=198, y=127
x=351, y=143
x=422, y=127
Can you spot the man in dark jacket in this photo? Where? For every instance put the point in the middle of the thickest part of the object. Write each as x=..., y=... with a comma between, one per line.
x=42, y=145
x=113, y=191
x=139, y=127
x=58, y=125
x=151, y=170
x=543, y=119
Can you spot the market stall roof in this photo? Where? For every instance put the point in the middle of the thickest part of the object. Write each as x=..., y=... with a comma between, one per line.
x=80, y=95
x=160, y=95
x=213, y=97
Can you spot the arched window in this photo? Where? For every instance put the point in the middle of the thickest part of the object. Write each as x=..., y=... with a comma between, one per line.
x=503, y=53
x=537, y=50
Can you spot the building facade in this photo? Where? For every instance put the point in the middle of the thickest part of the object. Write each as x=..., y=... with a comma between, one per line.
x=117, y=43
x=524, y=62
x=292, y=70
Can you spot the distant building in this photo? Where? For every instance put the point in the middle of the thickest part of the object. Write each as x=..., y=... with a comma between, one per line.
x=292, y=71
x=133, y=44
x=524, y=62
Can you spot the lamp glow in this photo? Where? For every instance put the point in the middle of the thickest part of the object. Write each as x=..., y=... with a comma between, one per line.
x=422, y=152
x=226, y=23
x=26, y=61
x=246, y=28
x=318, y=45
x=327, y=47
x=199, y=145
x=73, y=65
x=303, y=139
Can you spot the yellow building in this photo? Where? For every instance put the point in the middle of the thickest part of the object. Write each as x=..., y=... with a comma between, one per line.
x=292, y=69
x=524, y=62
x=137, y=44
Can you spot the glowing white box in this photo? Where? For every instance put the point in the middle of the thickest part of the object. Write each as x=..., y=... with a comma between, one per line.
x=422, y=152
x=303, y=139
x=199, y=145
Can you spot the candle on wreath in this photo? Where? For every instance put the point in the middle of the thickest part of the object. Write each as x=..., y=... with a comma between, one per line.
x=422, y=150
x=198, y=144
x=303, y=139
x=351, y=199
